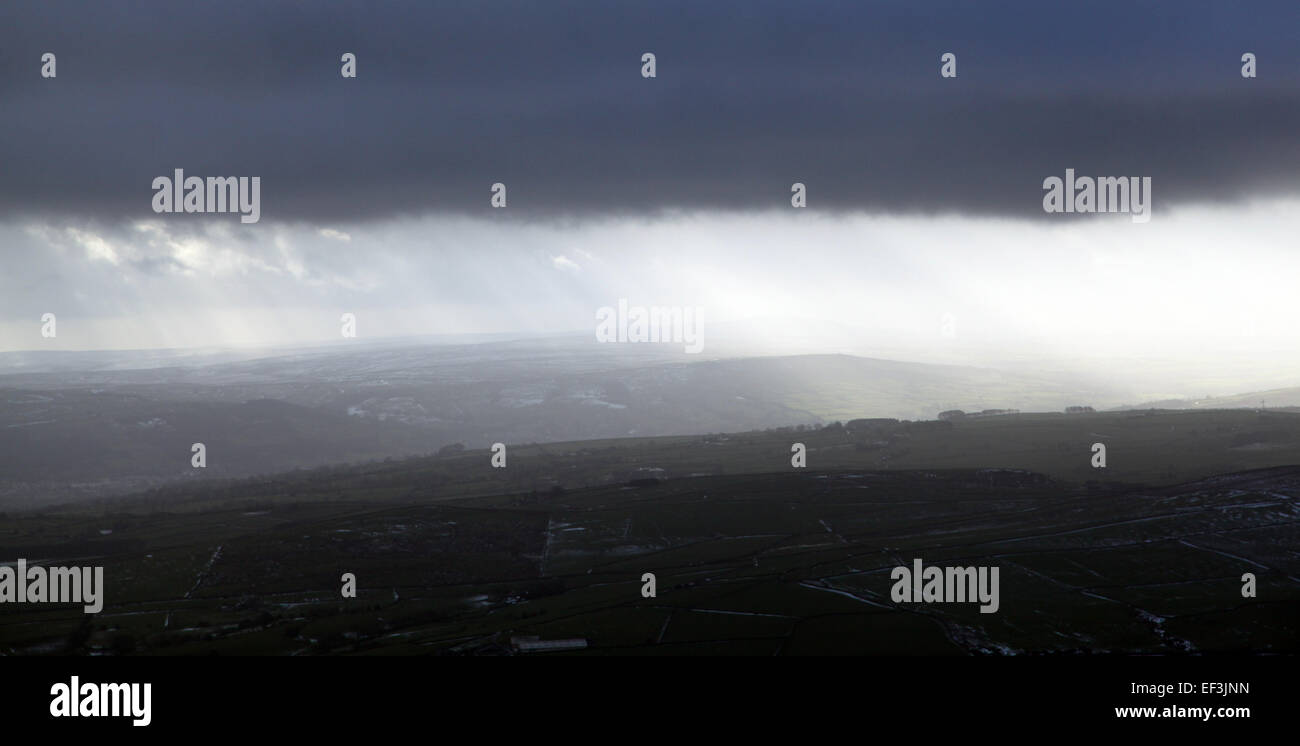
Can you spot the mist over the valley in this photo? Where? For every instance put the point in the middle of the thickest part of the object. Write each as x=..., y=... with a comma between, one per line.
x=91, y=424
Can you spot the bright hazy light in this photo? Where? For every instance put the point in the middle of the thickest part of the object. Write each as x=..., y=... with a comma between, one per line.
x=1208, y=287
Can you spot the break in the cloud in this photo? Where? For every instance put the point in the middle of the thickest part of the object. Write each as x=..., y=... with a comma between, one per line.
x=1180, y=284
x=548, y=98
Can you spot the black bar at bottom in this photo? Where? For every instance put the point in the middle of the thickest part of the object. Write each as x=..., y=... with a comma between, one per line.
x=330, y=696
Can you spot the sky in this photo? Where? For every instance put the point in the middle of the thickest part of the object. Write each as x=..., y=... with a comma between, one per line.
x=924, y=234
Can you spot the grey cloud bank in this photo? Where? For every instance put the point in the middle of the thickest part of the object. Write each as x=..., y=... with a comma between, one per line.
x=548, y=99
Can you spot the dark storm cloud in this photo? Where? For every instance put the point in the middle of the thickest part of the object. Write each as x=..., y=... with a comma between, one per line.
x=547, y=97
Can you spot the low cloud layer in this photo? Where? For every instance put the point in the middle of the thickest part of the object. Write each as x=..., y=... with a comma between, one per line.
x=548, y=99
